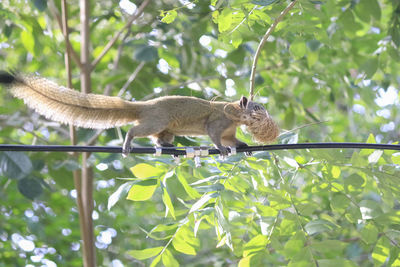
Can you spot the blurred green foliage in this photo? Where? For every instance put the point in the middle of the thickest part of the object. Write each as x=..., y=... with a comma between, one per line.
x=332, y=61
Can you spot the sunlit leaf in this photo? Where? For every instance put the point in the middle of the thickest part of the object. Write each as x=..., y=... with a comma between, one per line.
x=145, y=253
x=319, y=226
x=225, y=20
x=114, y=197
x=29, y=41
x=168, y=203
x=143, y=170
x=203, y=200
x=143, y=190
x=298, y=49
x=375, y=156
x=370, y=209
x=257, y=243
x=381, y=251
x=185, y=241
x=168, y=259
x=169, y=17
x=189, y=190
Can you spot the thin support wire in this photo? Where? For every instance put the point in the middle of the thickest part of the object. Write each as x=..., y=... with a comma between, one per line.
x=182, y=150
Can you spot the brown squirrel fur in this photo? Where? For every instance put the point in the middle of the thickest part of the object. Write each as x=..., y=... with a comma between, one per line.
x=161, y=118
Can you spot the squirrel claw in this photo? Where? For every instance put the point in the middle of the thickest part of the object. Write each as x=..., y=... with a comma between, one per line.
x=126, y=149
x=248, y=153
x=223, y=151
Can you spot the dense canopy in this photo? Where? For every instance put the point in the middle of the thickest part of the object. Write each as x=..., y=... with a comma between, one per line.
x=329, y=72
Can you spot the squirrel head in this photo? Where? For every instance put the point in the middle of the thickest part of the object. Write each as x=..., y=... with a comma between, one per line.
x=255, y=117
x=244, y=111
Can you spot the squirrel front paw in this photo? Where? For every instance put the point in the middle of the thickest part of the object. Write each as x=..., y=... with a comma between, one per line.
x=224, y=151
x=126, y=149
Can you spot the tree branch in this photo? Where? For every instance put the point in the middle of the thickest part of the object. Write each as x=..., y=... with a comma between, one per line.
x=89, y=249
x=116, y=36
x=261, y=44
x=76, y=173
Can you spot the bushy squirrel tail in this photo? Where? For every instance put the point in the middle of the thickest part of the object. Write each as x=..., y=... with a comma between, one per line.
x=69, y=106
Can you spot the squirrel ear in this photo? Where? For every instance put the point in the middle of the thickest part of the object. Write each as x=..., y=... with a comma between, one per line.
x=232, y=111
x=243, y=102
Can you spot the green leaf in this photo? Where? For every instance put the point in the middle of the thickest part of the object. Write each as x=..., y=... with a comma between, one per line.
x=146, y=53
x=193, y=194
x=319, y=226
x=339, y=203
x=354, y=182
x=293, y=246
x=327, y=246
x=213, y=2
x=263, y=2
x=168, y=259
x=336, y=263
x=30, y=187
x=312, y=58
x=368, y=9
x=396, y=158
x=171, y=58
x=348, y=23
x=369, y=233
x=143, y=170
x=369, y=67
x=145, y=253
x=41, y=5
x=335, y=172
x=28, y=41
x=168, y=203
x=298, y=49
x=143, y=190
x=375, y=156
x=381, y=251
x=225, y=20
x=370, y=209
x=210, y=188
x=156, y=261
x=169, y=17
x=245, y=262
x=15, y=165
x=185, y=241
x=257, y=243
x=114, y=197
x=203, y=200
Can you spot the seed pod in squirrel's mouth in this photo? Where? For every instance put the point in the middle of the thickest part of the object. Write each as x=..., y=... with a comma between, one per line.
x=262, y=127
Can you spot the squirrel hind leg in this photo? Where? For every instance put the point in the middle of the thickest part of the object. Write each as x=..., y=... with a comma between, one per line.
x=164, y=139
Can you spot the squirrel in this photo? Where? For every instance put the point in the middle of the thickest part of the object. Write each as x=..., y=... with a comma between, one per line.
x=161, y=118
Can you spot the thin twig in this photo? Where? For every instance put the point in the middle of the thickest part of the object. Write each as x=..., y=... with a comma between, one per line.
x=261, y=44
x=107, y=89
x=116, y=36
x=304, y=126
x=69, y=47
x=167, y=89
x=131, y=78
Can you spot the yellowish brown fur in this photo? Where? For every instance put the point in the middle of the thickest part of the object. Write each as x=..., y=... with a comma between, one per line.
x=161, y=118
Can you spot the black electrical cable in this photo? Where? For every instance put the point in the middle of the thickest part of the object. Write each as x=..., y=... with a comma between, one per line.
x=182, y=150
